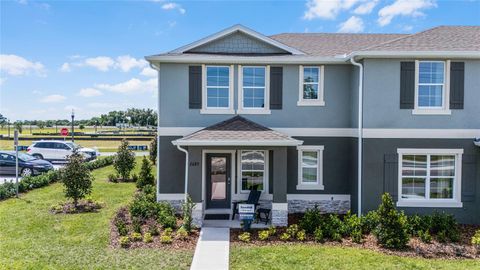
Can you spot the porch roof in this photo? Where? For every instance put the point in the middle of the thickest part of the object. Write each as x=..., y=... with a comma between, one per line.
x=237, y=131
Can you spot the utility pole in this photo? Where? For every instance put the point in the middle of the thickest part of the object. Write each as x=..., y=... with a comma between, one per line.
x=73, y=128
x=15, y=142
x=8, y=125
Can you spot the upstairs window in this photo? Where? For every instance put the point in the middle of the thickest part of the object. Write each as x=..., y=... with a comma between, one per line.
x=254, y=96
x=218, y=90
x=311, y=86
x=431, y=91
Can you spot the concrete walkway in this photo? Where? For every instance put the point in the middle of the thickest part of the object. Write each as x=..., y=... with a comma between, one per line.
x=213, y=249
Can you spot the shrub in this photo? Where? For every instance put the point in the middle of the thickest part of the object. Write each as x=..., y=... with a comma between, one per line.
x=301, y=235
x=136, y=236
x=182, y=233
x=134, y=178
x=352, y=223
x=147, y=238
x=318, y=235
x=356, y=236
x=113, y=178
x=442, y=237
x=337, y=237
x=146, y=177
x=153, y=150
x=272, y=230
x=445, y=224
x=285, y=236
x=333, y=227
x=425, y=236
x=292, y=230
x=124, y=241
x=124, y=160
x=137, y=225
x=392, y=229
x=187, y=209
x=166, y=238
x=76, y=178
x=121, y=227
x=168, y=231
x=311, y=220
x=244, y=237
x=416, y=225
x=168, y=221
x=152, y=227
x=369, y=222
x=476, y=240
x=263, y=235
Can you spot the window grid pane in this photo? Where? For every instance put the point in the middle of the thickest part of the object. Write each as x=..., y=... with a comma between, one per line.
x=253, y=87
x=252, y=170
x=430, y=84
x=309, y=166
x=218, y=87
x=310, y=82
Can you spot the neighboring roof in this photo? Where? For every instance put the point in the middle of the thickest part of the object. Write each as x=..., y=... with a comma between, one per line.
x=331, y=44
x=237, y=131
x=442, y=38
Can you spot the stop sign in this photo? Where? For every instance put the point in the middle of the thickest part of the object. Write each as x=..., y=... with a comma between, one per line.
x=64, y=132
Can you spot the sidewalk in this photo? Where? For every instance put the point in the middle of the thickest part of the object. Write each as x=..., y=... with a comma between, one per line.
x=213, y=249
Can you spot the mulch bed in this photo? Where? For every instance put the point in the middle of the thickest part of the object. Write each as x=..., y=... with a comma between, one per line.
x=183, y=244
x=83, y=206
x=416, y=248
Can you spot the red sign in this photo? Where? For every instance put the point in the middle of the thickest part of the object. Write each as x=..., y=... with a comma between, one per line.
x=64, y=132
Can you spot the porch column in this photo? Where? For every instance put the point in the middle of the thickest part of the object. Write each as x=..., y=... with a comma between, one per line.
x=195, y=186
x=279, y=204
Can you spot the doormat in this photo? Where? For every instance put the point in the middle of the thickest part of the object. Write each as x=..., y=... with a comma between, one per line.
x=217, y=216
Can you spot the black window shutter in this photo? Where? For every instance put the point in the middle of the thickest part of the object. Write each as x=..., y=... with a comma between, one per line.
x=457, y=84
x=276, y=88
x=195, y=87
x=407, y=85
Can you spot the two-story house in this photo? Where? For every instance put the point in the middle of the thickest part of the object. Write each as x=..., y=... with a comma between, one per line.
x=284, y=114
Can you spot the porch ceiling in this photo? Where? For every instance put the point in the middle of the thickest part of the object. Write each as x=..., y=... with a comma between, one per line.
x=237, y=131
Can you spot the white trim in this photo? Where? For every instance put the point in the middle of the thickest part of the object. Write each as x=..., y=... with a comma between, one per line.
x=265, y=174
x=204, y=170
x=445, y=108
x=318, y=185
x=279, y=206
x=170, y=196
x=239, y=28
x=237, y=143
x=318, y=132
x=413, y=54
x=266, y=108
x=320, y=101
x=421, y=133
x=319, y=197
x=245, y=60
x=205, y=109
x=427, y=202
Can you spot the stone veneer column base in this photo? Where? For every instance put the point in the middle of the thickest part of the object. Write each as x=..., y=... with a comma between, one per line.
x=280, y=214
x=197, y=215
x=336, y=204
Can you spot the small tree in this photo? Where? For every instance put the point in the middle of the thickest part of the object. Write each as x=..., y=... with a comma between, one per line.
x=76, y=178
x=82, y=127
x=187, y=208
x=146, y=177
x=153, y=150
x=391, y=231
x=124, y=160
x=18, y=126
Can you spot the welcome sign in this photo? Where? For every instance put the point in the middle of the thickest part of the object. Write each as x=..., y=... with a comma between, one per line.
x=246, y=211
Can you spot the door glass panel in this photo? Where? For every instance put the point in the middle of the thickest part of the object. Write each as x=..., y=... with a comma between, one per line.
x=218, y=178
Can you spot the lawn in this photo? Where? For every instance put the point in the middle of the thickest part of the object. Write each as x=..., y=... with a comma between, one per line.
x=33, y=238
x=305, y=256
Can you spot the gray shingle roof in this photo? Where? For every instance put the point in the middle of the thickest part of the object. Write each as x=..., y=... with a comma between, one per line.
x=332, y=44
x=237, y=131
x=442, y=38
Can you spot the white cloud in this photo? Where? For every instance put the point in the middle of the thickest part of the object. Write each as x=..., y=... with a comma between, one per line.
x=353, y=25
x=126, y=62
x=133, y=85
x=410, y=8
x=65, y=67
x=102, y=63
x=53, y=99
x=149, y=72
x=16, y=65
x=89, y=92
x=327, y=9
x=172, y=6
x=366, y=8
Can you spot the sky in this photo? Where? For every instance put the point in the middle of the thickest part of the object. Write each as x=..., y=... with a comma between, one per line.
x=56, y=56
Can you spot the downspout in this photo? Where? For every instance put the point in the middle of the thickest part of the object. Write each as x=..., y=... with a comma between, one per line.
x=157, y=68
x=360, y=132
x=186, y=169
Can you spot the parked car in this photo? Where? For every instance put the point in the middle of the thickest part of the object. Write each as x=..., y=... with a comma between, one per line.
x=27, y=164
x=59, y=150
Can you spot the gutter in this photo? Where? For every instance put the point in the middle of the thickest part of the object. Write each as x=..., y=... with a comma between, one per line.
x=157, y=68
x=415, y=54
x=186, y=169
x=360, y=133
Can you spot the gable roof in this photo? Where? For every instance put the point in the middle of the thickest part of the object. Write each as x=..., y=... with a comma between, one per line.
x=237, y=131
x=234, y=29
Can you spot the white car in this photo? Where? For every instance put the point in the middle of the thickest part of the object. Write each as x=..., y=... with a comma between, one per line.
x=59, y=150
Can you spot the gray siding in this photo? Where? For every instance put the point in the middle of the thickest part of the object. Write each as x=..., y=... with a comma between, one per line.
x=380, y=174
x=238, y=43
x=172, y=166
x=382, y=99
x=336, y=113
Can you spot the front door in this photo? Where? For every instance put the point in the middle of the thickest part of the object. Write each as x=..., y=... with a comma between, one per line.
x=218, y=180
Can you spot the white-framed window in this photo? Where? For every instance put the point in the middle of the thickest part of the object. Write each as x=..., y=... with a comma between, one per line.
x=254, y=92
x=310, y=167
x=432, y=91
x=217, y=90
x=311, y=86
x=253, y=170
x=429, y=177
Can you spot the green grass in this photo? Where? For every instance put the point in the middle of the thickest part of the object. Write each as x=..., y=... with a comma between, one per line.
x=304, y=256
x=33, y=238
